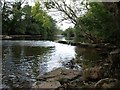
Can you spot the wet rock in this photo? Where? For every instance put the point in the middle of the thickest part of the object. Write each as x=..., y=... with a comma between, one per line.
x=108, y=83
x=47, y=85
x=63, y=42
x=59, y=74
x=93, y=73
x=72, y=65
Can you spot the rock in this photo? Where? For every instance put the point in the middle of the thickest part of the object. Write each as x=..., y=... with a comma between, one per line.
x=108, y=83
x=59, y=74
x=47, y=85
x=63, y=42
x=93, y=73
x=56, y=78
x=72, y=65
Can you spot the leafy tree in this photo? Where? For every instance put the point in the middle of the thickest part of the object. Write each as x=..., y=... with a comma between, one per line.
x=82, y=10
x=72, y=12
x=6, y=11
x=18, y=19
x=100, y=22
x=69, y=32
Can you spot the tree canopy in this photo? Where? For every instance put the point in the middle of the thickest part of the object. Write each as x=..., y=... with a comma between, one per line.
x=92, y=20
x=18, y=19
x=97, y=22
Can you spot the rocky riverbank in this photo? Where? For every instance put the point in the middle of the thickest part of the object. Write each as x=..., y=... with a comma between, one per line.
x=104, y=75
x=62, y=78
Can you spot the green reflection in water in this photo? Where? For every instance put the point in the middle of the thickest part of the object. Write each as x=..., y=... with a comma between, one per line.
x=86, y=56
x=21, y=63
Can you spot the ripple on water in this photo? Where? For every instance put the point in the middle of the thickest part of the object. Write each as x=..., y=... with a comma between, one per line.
x=23, y=60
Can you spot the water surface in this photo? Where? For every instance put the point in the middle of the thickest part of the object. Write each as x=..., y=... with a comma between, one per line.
x=24, y=60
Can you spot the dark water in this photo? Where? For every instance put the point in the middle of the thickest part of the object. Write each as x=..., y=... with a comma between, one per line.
x=24, y=60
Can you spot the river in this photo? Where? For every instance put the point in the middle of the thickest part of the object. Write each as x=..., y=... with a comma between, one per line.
x=24, y=60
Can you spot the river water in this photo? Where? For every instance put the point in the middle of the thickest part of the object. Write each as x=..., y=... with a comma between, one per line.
x=24, y=60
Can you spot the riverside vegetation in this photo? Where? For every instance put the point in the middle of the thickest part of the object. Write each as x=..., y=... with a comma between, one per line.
x=97, y=24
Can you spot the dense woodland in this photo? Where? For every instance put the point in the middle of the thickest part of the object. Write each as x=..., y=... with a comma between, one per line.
x=96, y=22
x=26, y=20
x=99, y=24
x=96, y=26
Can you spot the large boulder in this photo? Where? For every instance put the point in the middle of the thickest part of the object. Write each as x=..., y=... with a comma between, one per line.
x=60, y=74
x=55, y=78
x=93, y=73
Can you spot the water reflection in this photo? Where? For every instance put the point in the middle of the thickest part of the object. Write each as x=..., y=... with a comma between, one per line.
x=24, y=60
x=87, y=57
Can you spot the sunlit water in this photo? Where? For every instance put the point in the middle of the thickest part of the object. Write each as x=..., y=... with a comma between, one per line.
x=24, y=60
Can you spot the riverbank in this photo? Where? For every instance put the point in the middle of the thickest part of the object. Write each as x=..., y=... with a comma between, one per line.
x=100, y=46
x=62, y=79
x=106, y=46
x=104, y=71
x=104, y=75
x=10, y=37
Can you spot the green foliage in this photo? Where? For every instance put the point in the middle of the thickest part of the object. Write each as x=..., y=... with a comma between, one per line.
x=26, y=19
x=99, y=22
x=69, y=32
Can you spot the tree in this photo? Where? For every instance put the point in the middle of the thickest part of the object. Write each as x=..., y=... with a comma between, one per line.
x=6, y=11
x=11, y=18
x=18, y=19
x=78, y=10
x=43, y=19
x=100, y=22
x=114, y=7
x=70, y=32
x=73, y=12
